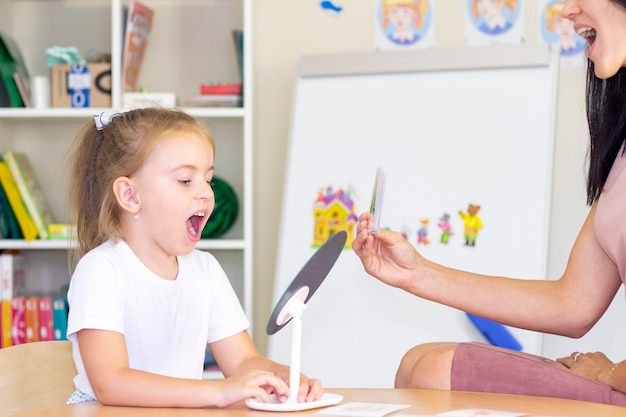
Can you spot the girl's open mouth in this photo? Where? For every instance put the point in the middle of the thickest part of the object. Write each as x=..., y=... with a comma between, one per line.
x=194, y=224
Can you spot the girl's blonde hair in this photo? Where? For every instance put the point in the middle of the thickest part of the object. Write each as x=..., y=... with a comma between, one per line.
x=552, y=12
x=420, y=7
x=99, y=157
x=510, y=4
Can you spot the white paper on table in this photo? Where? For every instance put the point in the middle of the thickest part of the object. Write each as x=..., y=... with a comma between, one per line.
x=362, y=409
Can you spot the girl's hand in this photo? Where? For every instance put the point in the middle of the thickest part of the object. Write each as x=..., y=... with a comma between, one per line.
x=252, y=384
x=310, y=389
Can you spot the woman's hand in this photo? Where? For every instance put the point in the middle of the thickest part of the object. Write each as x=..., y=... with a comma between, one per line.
x=386, y=255
x=595, y=366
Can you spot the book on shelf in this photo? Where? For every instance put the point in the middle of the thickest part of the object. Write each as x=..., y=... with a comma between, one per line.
x=13, y=274
x=138, y=26
x=18, y=325
x=9, y=225
x=238, y=40
x=11, y=62
x=31, y=319
x=26, y=224
x=23, y=88
x=59, y=318
x=46, y=319
x=6, y=320
x=32, y=195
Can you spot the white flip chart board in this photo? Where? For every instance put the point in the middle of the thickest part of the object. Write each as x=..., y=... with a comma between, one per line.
x=451, y=127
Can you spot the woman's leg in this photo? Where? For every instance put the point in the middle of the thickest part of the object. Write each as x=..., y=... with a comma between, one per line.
x=426, y=366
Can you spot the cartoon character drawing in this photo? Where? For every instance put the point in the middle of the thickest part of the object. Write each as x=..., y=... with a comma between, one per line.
x=493, y=17
x=563, y=29
x=422, y=233
x=403, y=20
x=405, y=232
x=446, y=228
x=471, y=223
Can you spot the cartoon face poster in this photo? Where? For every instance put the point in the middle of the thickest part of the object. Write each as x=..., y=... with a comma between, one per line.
x=493, y=22
x=403, y=24
x=557, y=30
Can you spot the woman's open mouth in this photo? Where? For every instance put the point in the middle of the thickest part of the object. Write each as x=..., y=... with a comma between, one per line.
x=588, y=34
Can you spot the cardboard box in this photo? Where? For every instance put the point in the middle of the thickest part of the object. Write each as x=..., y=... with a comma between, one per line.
x=86, y=85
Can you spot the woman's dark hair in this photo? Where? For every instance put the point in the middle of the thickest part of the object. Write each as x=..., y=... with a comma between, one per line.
x=606, y=116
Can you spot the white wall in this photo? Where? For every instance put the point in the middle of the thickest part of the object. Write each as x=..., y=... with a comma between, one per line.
x=287, y=29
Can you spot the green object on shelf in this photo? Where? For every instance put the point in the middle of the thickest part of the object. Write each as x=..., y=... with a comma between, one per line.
x=11, y=63
x=225, y=212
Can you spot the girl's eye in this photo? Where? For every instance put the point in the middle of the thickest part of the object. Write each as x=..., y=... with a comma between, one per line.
x=184, y=182
x=211, y=183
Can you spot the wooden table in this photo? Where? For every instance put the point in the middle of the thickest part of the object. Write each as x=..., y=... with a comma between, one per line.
x=421, y=401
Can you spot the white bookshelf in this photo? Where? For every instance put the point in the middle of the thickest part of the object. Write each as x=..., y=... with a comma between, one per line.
x=190, y=43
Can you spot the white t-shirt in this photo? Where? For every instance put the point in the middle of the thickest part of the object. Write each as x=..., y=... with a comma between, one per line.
x=166, y=323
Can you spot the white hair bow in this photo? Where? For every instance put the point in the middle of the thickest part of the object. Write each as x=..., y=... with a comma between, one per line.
x=104, y=118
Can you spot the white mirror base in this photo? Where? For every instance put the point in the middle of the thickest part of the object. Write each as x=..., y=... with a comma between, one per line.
x=327, y=399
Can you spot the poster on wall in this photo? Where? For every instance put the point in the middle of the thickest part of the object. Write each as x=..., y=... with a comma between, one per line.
x=404, y=24
x=489, y=22
x=559, y=31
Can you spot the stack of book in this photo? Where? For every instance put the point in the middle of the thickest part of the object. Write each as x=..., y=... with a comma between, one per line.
x=24, y=209
x=27, y=318
x=25, y=214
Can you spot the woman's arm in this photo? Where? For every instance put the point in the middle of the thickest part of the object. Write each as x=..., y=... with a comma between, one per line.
x=568, y=306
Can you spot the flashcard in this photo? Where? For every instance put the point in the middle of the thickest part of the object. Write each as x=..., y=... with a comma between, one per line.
x=377, y=201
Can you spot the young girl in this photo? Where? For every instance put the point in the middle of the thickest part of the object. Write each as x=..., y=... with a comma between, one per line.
x=569, y=306
x=143, y=302
x=406, y=17
x=491, y=15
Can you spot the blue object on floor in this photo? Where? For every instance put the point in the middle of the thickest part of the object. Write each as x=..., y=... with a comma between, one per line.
x=495, y=333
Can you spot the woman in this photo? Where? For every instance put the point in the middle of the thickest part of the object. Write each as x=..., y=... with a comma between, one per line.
x=595, y=271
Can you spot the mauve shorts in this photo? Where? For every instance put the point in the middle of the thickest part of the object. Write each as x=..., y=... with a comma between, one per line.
x=485, y=368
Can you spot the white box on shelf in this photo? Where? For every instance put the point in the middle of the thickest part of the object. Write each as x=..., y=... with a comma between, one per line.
x=140, y=100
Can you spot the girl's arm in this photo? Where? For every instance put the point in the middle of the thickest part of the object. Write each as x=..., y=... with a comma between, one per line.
x=106, y=362
x=237, y=354
x=569, y=306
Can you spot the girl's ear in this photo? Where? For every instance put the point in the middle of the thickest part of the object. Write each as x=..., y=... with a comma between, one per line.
x=125, y=194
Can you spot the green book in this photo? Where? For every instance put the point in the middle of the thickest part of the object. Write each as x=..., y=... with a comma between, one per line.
x=9, y=226
x=30, y=191
x=11, y=62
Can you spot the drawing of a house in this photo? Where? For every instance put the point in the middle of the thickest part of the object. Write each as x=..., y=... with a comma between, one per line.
x=332, y=213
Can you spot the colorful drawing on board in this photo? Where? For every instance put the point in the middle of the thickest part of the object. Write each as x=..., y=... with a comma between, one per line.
x=422, y=233
x=333, y=211
x=472, y=224
x=402, y=24
x=493, y=21
x=331, y=7
x=404, y=231
x=557, y=30
x=445, y=227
